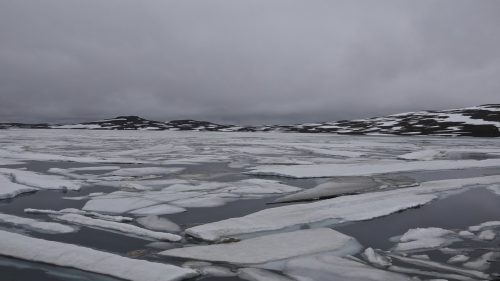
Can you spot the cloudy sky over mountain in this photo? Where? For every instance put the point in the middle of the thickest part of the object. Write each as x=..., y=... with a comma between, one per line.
x=255, y=61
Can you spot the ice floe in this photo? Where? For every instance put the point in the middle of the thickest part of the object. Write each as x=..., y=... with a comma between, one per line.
x=127, y=229
x=329, y=267
x=375, y=258
x=458, y=259
x=36, y=225
x=86, y=259
x=487, y=235
x=146, y=171
x=368, y=169
x=483, y=262
x=272, y=247
x=258, y=274
x=425, y=238
x=9, y=189
x=485, y=225
x=41, y=181
x=80, y=212
x=158, y=223
x=337, y=210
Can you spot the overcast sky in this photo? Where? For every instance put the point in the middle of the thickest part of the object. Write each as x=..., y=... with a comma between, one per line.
x=244, y=61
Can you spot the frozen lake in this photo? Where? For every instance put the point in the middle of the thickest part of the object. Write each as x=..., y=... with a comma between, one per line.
x=247, y=206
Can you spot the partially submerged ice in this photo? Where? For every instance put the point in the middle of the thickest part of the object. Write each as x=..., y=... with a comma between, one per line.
x=86, y=259
x=36, y=225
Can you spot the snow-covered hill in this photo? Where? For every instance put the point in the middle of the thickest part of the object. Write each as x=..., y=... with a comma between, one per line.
x=478, y=121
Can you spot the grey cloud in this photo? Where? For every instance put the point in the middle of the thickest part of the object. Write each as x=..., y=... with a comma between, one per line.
x=259, y=61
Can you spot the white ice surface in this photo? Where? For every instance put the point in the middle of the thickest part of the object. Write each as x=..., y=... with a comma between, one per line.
x=41, y=181
x=162, y=209
x=146, y=171
x=257, y=274
x=425, y=238
x=483, y=262
x=80, y=212
x=487, y=235
x=337, y=210
x=86, y=259
x=158, y=224
x=9, y=189
x=272, y=247
x=484, y=225
x=127, y=229
x=368, y=169
x=375, y=258
x=458, y=259
x=36, y=225
x=423, y=155
x=328, y=268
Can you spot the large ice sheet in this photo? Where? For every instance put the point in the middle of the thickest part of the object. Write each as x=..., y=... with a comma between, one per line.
x=117, y=226
x=37, y=180
x=9, y=189
x=86, y=259
x=272, y=247
x=36, y=225
x=369, y=168
x=336, y=210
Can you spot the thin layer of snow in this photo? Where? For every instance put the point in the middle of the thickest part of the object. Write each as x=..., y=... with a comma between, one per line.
x=425, y=238
x=9, y=189
x=368, y=169
x=86, y=259
x=36, y=225
x=127, y=229
x=328, y=268
x=270, y=248
x=159, y=224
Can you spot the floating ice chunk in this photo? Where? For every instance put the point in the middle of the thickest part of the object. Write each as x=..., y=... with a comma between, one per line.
x=425, y=238
x=423, y=155
x=146, y=171
x=422, y=257
x=162, y=209
x=272, y=247
x=368, y=169
x=118, y=205
x=158, y=224
x=9, y=189
x=494, y=188
x=67, y=173
x=484, y=225
x=96, y=168
x=120, y=227
x=86, y=259
x=40, y=181
x=330, y=189
x=326, y=212
x=328, y=267
x=483, y=262
x=375, y=258
x=161, y=245
x=458, y=259
x=5, y=162
x=80, y=212
x=487, y=235
x=414, y=271
x=257, y=274
x=202, y=201
x=442, y=267
x=216, y=271
x=466, y=234
x=36, y=225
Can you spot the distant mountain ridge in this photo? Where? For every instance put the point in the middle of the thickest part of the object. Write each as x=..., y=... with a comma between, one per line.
x=477, y=121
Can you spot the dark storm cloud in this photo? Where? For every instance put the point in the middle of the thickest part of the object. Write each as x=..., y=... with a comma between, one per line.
x=249, y=61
